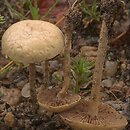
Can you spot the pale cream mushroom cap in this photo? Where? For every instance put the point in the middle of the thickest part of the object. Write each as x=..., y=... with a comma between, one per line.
x=32, y=41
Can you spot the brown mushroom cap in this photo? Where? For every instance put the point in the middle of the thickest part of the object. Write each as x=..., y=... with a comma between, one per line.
x=32, y=41
x=49, y=101
x=107, y=119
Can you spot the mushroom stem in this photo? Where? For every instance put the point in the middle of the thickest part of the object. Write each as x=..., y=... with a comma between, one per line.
x=46, y=73
x=97, y=76
x=32, y=75
x=68, y=37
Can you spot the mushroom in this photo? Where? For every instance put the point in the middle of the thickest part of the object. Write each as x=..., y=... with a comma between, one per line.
x=79, y=118
x=60, y=100
x=30, y=42
x=48, y=100
x=90, y=115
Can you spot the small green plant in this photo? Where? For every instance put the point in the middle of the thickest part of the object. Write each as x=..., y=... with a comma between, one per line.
x=91, y=11
x=82, y=71
x=2, y=20
x=33, y=8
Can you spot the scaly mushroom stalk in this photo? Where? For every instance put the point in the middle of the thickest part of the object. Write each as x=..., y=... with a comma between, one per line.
x=68, y=37
x=32, y=82
x=97, y=76
x=46, y=73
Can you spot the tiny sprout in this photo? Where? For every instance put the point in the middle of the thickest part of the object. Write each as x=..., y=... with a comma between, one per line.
x=82, y=71
x=91, y=11
x=34, y=9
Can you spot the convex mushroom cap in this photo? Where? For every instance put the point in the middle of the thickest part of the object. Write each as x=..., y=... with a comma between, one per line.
x=107, y=118
x=32, y=41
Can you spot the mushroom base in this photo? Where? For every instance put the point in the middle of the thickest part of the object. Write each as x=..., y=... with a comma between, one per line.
x=48, y=100
x=107, y=119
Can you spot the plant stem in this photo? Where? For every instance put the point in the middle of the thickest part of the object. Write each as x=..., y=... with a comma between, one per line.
x=32, y=75
x=97, y=76
x=46, y=73
x=68, y=37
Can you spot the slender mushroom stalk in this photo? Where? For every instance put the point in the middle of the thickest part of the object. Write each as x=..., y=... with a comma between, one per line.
x=32, y=75
x=97, y=77
x=68, y=37
x=59, y=101
x=46, y=73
